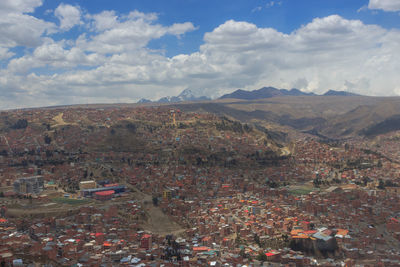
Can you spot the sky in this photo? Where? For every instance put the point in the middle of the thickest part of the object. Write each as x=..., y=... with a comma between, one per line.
x=56, y=52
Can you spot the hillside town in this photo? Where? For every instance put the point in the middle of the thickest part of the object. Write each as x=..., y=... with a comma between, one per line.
x=157, y=186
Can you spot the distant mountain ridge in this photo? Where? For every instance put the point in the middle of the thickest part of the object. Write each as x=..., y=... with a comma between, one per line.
x=265, y=92
x=268, y=92
x=185, y=95
x=339, y=93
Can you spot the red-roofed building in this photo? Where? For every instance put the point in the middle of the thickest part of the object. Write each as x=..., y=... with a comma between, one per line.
x=104, y=195
x=273, y=255
x=200, y=249
x=146, y=241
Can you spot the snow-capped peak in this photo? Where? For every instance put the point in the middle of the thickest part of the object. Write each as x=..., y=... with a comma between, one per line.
x=186, y=94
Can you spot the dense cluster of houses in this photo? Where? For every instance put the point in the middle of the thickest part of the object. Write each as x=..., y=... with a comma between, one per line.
x=240, y=203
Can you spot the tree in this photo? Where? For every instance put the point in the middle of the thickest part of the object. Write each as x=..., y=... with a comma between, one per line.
x=317, y=182
x=257, y=239
x=242, y=252
x=379, y=164
x=262, y=257
x=389, y=183
x=381, y=184
x=47, y=139
x=131, y=127
x=237, y=239
x=155, y=201
x=272, y=184
x=285, y=237
x=20, y=124
x=49, y=153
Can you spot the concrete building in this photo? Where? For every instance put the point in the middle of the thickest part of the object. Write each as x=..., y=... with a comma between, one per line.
x=29, y=185
x=87, y=184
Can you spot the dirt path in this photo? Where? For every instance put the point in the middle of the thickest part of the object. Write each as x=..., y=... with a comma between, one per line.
x=158, y=222
x=60, y=121
x=8, y=145
x=285, y=151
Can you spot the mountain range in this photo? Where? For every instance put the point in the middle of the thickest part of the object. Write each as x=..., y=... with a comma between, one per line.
x=265, y=92
x=268, y=92
x=339, y=93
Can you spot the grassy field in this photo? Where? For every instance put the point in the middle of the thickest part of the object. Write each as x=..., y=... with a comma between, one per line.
x=298, y=191
x=70, y=201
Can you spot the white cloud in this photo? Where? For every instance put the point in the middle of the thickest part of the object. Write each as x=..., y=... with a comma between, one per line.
x=386, y=5
x=104, y=20
x=397, y=91
x=19, y=6
x=68, y=15
x=112, y=56
x=112, y=62
x=18, y=28
x=258, y=8
x=149, y=17
x=5, y=53
x=363, y=8
x=127, y=33
x=180, y=28
x=269, y=4
x=55, y=55
x=325, y=53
